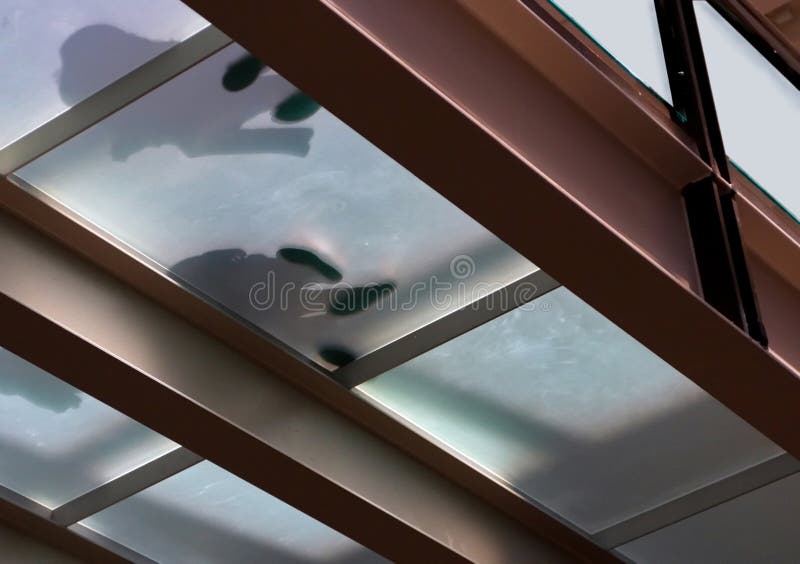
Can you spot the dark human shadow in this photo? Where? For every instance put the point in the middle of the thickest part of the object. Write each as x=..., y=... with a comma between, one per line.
x=350, y=300
x=96, y=55
x=289, y=296
x=296, y=107
x=310, y=259
x=336, y=355
x=20, y=378
x=193, y=112
x=243, y=72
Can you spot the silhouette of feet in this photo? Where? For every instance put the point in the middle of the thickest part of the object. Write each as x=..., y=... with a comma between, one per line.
x=296, y=107
x=337, y=356
x=242, y=73
x=310, y=259
x=348, y=301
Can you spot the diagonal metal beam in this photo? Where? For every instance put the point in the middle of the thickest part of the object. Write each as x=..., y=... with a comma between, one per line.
x=26, y=515
x=445, y=328
x=253, y=24
x=124, y=263
x=510, y=133
x=10, y=496
x=111, y=98
x=710, y=207
x=125, y=553
x=709, y=496
x=124, y=486
x=514, y=175
x=160, y=370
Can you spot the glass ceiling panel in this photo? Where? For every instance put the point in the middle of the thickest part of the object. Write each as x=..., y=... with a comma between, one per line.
x=758, y=527
x=244, y=188
x=55, y=53
x=563, y=405
x=628, y=31
x=205, y=514
x=758, y=109
x=57, y=443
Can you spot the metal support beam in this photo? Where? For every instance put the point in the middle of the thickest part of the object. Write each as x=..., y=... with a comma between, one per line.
x=22, y=502
x=124, y=486
x=710, y=206
x=133, y=85
x=175, y=379
x=511, y=136
x=127, y=265
x=698, y=500
x=718, y=248
x=445, y=328
x=651, y=262
x=125, y=553
x=32, y=518
x=688, y=80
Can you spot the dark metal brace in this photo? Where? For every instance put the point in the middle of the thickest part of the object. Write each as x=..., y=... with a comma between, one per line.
x=710, y=206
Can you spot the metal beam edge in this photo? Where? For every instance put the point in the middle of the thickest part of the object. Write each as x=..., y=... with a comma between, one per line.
x=32, y=518
x=165, y=373
x=699, y=500
x=111, y=98
x=124, y=486
x=445, y=328
x=438, y=132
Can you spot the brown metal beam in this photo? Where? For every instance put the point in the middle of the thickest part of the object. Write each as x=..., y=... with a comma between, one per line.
x=435, y=90
x=50, y=533
x=113, y=256
x=590, y=198
x=101, y=336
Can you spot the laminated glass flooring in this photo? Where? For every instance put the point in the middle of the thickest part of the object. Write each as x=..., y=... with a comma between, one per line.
x=58, y=446
x=230, y=181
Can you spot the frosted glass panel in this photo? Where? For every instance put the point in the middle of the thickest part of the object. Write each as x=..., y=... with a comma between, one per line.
x=57, y=443
x=760, y=527
x=628, y=31
x=566, y=407
x=205, y=514
x=759, y=110
x=55, y=53
x=244, y=188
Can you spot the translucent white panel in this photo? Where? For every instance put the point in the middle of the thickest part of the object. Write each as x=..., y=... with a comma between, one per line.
x=628, y=31
x=57, y=443
x=241, y=186
x=760, y=527
x=758, y=109
x=55, y=53
x=566, y=407
x=205, y=514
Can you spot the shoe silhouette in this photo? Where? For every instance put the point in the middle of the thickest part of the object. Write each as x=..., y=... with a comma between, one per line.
x=244, y=71
x=296, y=107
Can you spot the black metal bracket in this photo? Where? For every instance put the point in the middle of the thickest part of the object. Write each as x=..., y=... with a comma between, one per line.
x=719, y=254
x=710, y=202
